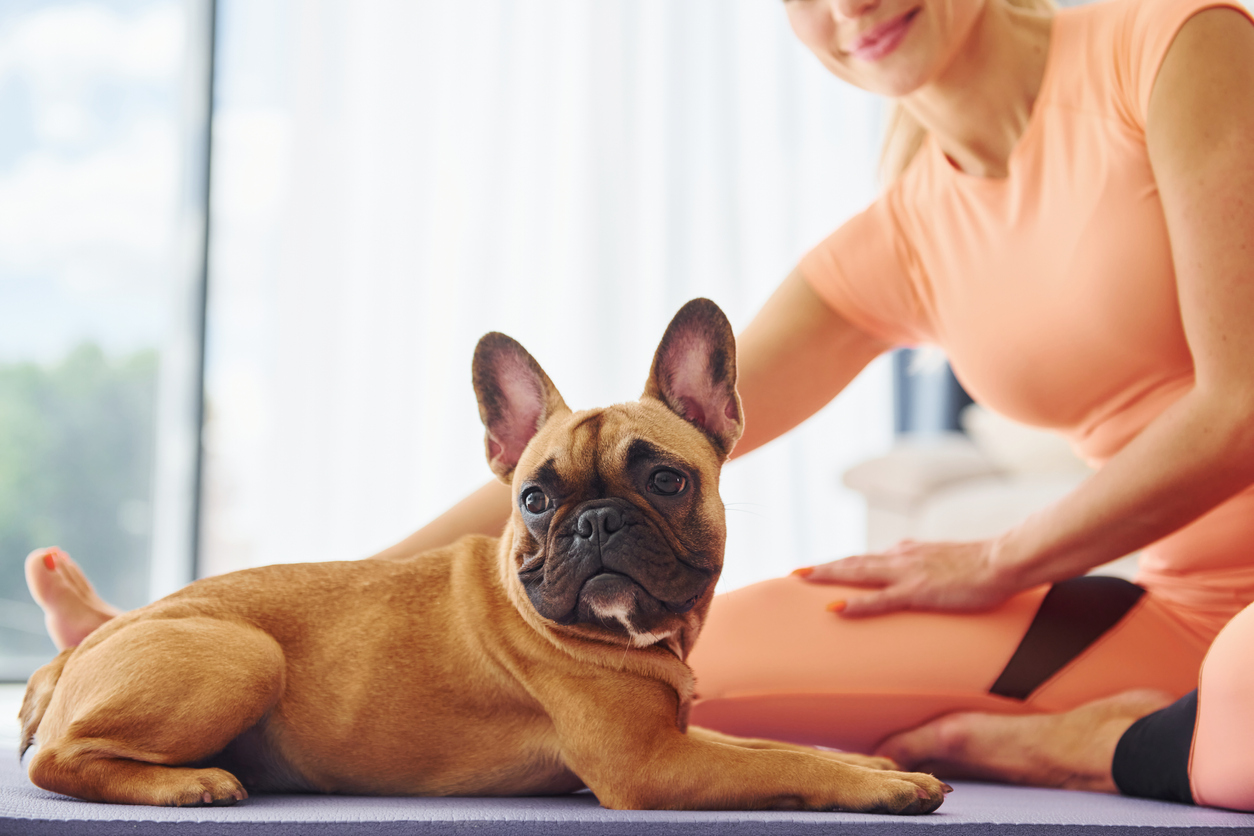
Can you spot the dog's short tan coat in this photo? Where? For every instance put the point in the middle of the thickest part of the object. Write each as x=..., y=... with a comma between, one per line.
x=544, y=661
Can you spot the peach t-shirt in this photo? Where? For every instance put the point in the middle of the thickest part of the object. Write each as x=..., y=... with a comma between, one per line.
x=1052, y=290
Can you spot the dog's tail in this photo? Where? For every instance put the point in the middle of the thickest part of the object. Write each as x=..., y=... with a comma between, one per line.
x=38, y=694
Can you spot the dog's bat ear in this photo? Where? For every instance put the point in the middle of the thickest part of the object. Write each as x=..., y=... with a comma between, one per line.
x=694, y=373
x=515, y=398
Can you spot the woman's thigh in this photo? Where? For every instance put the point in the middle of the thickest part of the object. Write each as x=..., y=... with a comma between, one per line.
x=772, y=662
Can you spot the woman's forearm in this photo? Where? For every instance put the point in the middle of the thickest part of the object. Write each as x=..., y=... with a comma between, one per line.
x=1194, y=456
x=483, y=512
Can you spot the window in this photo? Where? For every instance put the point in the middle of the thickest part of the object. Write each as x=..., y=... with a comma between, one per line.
x=102, y=220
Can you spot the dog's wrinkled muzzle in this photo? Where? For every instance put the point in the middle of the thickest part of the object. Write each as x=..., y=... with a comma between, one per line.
x=607, y=564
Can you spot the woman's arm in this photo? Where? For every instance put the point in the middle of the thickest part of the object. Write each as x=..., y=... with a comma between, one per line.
x=1199, y=452
x=483, y=512
x=795, y=356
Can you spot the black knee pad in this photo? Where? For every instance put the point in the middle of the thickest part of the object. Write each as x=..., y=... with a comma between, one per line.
x=1152, y=758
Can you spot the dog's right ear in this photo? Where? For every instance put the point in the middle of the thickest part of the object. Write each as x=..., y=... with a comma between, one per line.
x=515, y=398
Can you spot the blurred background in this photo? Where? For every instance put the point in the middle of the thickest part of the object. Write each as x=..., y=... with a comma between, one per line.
x=318, y=207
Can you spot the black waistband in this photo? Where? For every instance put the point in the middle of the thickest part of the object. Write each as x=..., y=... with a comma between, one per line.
x=1074, y=614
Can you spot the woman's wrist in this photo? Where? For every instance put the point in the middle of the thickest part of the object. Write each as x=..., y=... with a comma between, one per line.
x=1010, y=566
x=1025, y=556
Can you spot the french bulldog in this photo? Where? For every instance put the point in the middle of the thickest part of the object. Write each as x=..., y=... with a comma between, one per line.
x=544, y=661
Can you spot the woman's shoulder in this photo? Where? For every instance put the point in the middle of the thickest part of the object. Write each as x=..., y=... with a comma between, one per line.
x=1136, y=18
x=1111, y=50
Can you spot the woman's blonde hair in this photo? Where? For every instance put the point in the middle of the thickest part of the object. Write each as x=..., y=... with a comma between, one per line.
x=903, y=136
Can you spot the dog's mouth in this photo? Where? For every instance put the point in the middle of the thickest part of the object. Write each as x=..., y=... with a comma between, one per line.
x=609, y=596
x=622, y=575
x=617, y=601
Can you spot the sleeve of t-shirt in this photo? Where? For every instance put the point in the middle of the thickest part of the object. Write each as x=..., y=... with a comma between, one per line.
x=1149, y=28
x=860, y=272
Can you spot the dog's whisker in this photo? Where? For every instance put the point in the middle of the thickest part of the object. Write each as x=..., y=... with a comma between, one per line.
x=750, y=513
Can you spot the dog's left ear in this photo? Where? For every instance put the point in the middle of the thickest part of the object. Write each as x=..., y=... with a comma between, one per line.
x=515, y=398
x=694, y=373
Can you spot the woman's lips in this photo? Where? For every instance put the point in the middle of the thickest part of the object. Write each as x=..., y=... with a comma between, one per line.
x=877, y=42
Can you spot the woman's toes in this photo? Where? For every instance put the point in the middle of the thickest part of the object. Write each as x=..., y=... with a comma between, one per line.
x=41, y=575
x=72, y=609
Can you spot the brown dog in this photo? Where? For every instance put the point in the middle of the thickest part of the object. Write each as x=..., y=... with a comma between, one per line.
x=545, y=661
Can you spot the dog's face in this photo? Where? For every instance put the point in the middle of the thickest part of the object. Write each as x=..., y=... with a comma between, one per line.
x=618, y=529
x=618, y=523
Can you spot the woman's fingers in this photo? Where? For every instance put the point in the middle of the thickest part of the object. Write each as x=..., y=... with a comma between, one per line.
x=914, y=576
x=859, y=570
x=879, y=602
x=870, y=570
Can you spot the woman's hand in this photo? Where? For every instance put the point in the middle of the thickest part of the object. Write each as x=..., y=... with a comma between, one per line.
x=952, y=577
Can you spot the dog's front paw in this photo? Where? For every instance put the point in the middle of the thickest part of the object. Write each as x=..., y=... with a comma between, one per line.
x=896, y=793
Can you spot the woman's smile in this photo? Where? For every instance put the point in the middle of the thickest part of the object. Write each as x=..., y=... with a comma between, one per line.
x=883, y=38
x=890, y=47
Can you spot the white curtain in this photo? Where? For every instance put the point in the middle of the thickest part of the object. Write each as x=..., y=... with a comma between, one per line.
x=394, y=179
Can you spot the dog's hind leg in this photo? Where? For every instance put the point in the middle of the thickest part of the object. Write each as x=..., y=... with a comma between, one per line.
x=131, y=712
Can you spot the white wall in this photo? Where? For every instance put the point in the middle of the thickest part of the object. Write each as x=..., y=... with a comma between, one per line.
x=394, y=179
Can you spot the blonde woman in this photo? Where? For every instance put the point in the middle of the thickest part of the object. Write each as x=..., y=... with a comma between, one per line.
x=1071, y=218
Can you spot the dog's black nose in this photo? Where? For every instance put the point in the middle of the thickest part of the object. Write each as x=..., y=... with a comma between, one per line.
x=603, y=519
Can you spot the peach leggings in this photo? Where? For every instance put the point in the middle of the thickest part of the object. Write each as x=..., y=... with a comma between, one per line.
x=772, y=662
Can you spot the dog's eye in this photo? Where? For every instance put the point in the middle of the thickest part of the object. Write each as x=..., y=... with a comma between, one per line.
x=666, y=482
x=534, y=500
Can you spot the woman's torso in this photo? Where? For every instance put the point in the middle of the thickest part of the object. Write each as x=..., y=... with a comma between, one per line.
x=1052, y=290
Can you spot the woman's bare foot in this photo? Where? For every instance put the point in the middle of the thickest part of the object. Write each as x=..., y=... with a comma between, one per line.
x=1071, y=750
x=72, y=609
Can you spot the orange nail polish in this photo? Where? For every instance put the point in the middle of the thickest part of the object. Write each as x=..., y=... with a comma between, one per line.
x=50, y=562
x=803, y=572
x=836, y=606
